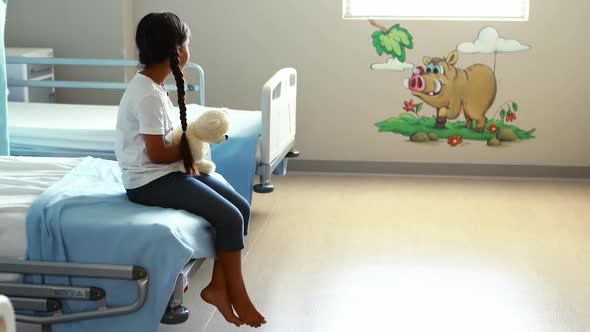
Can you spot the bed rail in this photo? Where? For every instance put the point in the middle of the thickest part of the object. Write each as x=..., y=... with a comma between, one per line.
x=200, y=87
x=36, y=304
x=279, y=112
x=27, y=296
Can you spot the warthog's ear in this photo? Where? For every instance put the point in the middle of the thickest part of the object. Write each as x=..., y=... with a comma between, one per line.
x=427, y=60
x=453, y=57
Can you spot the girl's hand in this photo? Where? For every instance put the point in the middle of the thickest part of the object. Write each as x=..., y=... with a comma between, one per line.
x=159, y=151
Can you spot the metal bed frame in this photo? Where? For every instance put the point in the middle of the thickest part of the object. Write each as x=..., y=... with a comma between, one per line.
x=48, y=299
x=96, y=85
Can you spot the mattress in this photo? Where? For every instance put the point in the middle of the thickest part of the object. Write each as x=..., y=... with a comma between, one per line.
x=68, y=130
x=60, y=126
x=22, y=180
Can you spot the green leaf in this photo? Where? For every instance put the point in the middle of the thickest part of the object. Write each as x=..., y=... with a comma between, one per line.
x=397, y=48
x=379, y=49
x=402, y=57
x=419, y=107
x=393, y=27
x=407, y=41
x=394, y=34
x=392, y=47
x=515, y=106
x=510, y=112
x=385, y=43
x=377, y=34
x=502, y=114
x=405, y=37
x=377, y=42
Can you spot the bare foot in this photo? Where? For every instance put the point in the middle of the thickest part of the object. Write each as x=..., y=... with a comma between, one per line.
x=246, y=310
x=218, y=297
x=231, y=265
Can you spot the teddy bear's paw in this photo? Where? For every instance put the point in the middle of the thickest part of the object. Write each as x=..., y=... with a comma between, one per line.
x=206, y=166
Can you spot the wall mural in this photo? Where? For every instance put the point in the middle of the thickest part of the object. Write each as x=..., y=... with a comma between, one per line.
x=461, y=98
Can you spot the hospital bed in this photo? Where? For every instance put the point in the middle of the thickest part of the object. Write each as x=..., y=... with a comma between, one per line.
x=22, y=181
x=93, y=283
x=60, y=130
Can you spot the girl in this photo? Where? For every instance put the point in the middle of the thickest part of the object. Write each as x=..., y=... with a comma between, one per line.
x=157, y=173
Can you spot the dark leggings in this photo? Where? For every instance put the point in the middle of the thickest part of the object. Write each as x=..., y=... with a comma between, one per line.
x=208, y=196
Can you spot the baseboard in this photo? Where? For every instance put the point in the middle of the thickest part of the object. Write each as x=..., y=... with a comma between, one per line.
x=439, y=169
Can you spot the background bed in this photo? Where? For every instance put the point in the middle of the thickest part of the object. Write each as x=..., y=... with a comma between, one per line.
x=58, y=130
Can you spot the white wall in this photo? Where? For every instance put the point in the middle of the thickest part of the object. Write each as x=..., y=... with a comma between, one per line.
x=74, y=28
x=241, y=43
x=129, y=24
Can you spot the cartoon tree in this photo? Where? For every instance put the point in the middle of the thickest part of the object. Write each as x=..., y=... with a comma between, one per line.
x=392, y=41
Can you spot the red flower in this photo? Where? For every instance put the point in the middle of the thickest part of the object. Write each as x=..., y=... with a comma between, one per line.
x=510, y=117
x=409, y=105
x=455, y=140
x=493, y=128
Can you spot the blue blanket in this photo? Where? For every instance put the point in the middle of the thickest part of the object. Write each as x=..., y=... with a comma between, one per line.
x=236, y=158
x=87, y=218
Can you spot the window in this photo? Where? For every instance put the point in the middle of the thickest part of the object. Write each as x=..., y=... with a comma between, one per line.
x=482, y=10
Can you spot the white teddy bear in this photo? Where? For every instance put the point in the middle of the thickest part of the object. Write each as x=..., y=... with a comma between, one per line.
x=211, y=127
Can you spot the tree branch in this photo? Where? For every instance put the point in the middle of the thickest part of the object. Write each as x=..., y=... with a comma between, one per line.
x=379, y=26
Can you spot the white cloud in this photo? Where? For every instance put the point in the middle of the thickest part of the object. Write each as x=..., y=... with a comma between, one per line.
x=489, y=41
x=392, y=64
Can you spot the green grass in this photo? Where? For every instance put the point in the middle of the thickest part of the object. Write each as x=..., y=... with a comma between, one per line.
x=408, y=125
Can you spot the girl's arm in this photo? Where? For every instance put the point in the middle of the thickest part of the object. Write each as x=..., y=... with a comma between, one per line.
x=159, y=151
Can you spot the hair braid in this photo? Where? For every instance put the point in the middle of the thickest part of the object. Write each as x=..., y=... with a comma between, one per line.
x=185, y=150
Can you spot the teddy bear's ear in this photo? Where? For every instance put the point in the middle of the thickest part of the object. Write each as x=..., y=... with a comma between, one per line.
x=214, y=124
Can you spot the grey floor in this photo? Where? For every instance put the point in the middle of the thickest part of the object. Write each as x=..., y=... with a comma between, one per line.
x=377, y=253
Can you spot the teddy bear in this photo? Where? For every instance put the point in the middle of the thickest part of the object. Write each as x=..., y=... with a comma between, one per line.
x=210, y=127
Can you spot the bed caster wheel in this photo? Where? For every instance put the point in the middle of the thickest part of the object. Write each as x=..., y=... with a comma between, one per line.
x=264, y=188
x=292, y=154
x=175, y=316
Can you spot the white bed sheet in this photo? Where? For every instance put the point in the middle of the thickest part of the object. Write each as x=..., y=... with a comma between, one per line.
x=22, y=180
x=70, y=128
x=66, y=126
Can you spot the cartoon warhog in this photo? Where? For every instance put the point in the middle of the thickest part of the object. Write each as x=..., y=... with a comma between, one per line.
x=452, y=90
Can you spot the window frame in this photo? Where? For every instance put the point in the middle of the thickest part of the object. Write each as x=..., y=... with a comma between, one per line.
x=524, y=18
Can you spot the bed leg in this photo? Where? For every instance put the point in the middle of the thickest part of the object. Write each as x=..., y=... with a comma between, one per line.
x=174, y=316
x=292, y=154
x=264, y=187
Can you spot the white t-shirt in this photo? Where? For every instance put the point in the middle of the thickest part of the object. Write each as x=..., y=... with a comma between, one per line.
x=144, y=109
